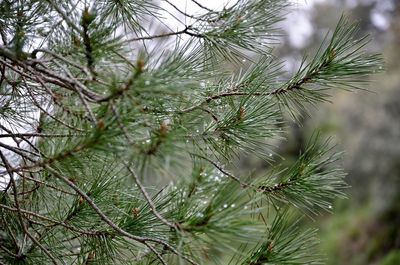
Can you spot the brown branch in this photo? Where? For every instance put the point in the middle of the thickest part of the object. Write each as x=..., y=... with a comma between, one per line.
x=12, y=135
x=21, y=152
x=311, y=74
x=49, y=75
x=202, y=6
x=226, y=173
x=186, y=30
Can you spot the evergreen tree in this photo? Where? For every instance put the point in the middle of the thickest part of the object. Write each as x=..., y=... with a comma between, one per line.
x=119, y=147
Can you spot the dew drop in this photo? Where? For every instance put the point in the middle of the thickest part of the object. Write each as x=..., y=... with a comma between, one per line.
x=199, y=215
x=225, y=205
x=147, y=82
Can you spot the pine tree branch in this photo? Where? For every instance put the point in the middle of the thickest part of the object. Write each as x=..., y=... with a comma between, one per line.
x=20, y=216
x=32, y=66
x=46, y=184
x=109, y=222
x=45, y=162
x=21, y=152
x=8, y=252
x=136, y=178
x=79, y=89
x=101, y=116
x=12, y=135
x=10, y=231
x=43, y=111
x=53, y=221
x=65, y=60
x=148, y=198
x=63, y=107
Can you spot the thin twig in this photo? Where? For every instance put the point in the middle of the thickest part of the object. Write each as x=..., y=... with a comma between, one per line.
x=148, y=198
x=156, y=252
x=242, y=184
x=186, y=30
x=202, y=6
x=136, y=178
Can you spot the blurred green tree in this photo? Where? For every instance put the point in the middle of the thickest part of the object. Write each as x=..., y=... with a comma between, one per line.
x=97, y=115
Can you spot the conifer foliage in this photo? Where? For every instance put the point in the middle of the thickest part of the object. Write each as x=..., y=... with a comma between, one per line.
x=120, y=136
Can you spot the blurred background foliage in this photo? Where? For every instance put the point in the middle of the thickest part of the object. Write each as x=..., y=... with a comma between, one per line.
x=365, y=228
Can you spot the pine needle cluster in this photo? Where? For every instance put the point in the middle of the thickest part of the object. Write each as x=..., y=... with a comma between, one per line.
x=119, y=136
